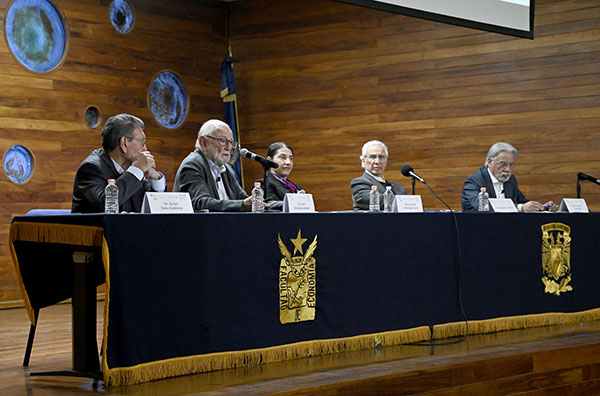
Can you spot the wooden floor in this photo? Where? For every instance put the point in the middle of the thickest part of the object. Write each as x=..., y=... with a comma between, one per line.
x=555, y=360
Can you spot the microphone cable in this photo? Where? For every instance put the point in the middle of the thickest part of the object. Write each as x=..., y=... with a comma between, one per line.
x=458, y=283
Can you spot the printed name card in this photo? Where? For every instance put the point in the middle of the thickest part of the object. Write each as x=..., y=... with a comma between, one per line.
x=503, y=205
x=298, y=203
x=573, y=205
x=167, y=202
x=408, y=204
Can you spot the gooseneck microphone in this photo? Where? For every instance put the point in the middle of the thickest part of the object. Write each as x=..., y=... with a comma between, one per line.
x=408, y=171
x=262, y=160
x=583, y=176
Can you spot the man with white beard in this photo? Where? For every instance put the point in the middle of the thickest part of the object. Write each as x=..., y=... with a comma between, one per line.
x=496, y=176
x=207, y=177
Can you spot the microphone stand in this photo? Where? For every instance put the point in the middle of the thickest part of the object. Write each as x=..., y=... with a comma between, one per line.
x=266, y=181
x=578, y=186
x=413, y=184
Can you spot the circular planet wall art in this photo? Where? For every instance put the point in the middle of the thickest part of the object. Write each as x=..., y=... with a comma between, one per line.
x=18, y=164
x=92, y=116
x=121, y=16
x=36, y=34
x=168, y=100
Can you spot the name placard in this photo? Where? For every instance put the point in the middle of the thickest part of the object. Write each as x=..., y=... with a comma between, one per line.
x=167, y=202
x=503, y=205
x=573, y=205
x=408, y=204
x=298, y=203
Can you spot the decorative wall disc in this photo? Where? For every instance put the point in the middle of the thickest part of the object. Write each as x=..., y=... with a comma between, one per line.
x=18, y=164
x=121, y=16
x=168, y=100
x=36, y=34
x=92, y=116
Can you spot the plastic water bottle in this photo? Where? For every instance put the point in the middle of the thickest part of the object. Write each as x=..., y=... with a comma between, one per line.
x=257, y=199
x=111, y=197
x=484, y=200
x=388, y=200
x=373, y=199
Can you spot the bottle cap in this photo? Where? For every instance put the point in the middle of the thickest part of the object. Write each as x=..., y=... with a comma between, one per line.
x=111, y=181
x=388, y=187
x=373, y=187
x=257, y=184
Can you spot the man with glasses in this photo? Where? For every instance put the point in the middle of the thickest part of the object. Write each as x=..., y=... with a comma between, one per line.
x=207, y=177
x=496, y=176
x=374, y=160
x=123, y=157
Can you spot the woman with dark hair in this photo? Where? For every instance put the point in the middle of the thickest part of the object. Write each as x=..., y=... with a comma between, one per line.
x=278, y=182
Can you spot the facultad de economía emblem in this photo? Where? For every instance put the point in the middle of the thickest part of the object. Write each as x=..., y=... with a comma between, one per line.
x=297, y=281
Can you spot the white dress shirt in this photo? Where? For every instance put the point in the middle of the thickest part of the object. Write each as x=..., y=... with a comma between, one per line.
x=216, y=172
x=159, y=185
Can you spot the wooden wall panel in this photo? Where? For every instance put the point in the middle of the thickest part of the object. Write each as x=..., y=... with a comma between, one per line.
x=326, y=77
x=111, y=71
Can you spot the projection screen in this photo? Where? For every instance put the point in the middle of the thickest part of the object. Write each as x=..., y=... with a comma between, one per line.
x=512, y=17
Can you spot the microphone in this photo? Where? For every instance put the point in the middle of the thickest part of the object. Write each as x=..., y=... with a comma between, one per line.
x=264, y=161
x=408, y=171
x=583, y=176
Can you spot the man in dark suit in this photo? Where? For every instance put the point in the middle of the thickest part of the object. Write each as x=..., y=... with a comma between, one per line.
x=123, y=157
x=207, y=177
x=374, y=161
x=496, y=176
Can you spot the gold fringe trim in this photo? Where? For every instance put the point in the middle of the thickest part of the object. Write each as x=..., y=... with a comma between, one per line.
x=49, y=233
x=513, y=323
x=57, y=233
x=106, y=261
x=226, y=360
x=12, y=237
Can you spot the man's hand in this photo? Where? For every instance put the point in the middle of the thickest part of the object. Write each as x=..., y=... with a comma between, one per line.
x=532, y=206
x=550, y=206
x=144, y=160
x=247, y=205
x=152, y=174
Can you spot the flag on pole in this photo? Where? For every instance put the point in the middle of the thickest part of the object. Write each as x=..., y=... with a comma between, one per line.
x=230, y=111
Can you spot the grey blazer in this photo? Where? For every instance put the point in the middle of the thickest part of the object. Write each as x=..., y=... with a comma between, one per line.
x=194, y=176
x=361, y=186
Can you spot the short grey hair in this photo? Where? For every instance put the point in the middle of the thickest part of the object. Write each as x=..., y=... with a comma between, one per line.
x=208, y=128
x=370, y=143
x=498, y=148
x=118, y=126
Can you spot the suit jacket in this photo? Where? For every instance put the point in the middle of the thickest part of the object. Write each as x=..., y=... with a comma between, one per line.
x=194, y=176
x=277, y=189
x=92, y=177
x=361, y=186
x=481, y=178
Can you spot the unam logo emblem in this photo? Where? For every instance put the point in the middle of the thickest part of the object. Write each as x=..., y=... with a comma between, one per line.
x=556, y=258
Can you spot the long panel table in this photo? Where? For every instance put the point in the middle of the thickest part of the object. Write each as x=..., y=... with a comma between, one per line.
x=199, y=292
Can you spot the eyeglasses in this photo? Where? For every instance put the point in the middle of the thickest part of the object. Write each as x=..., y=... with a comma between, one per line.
x=142, y=140
x=224, y=142
x=503, y=164
x=373, y=157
